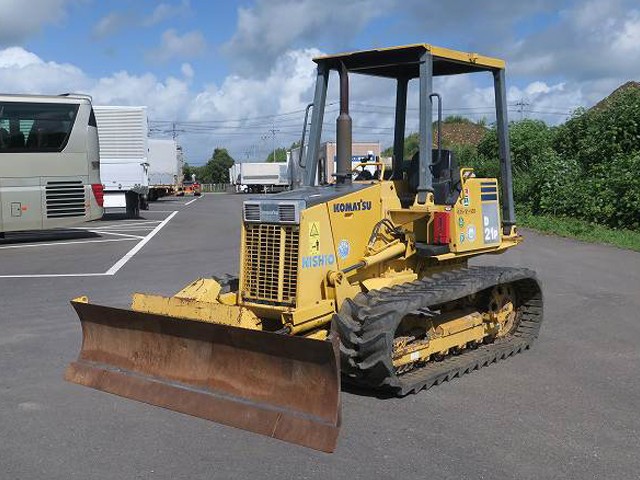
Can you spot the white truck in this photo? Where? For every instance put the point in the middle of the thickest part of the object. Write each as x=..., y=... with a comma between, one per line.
x=234, y=177
x=122, y=135
x=165, y=168
x=262, y=177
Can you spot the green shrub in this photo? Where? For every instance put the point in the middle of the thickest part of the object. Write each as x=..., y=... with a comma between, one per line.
x=528, y=139
x=587, y=168
x=609, y=130
x=555, y=186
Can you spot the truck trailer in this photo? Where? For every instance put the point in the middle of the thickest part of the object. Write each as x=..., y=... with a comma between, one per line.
x=165, y=168
x=260, y=177
x=122, y=135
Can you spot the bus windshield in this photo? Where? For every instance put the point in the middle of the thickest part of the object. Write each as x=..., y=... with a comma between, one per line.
x=35, y=127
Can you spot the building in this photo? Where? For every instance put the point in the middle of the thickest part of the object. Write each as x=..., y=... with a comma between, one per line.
x=327, y=158
x=328, y=152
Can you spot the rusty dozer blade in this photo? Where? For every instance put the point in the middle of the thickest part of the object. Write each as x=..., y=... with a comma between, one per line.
x=281, y=386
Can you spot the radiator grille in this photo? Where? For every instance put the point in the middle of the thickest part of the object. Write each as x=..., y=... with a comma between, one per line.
x=252, y=212
x=65, y=199
x=271, y=263
x=287, y=212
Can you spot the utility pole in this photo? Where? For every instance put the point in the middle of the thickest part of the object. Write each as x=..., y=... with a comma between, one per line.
x=175, y=131
x=263, y=147
x=522, y=104
x=273, y=130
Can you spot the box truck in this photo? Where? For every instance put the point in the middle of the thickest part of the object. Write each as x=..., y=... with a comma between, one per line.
x=122, y=136
x=165, y=168
x=262, y=177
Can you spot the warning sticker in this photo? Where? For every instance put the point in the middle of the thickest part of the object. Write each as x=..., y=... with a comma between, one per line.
x=314, y=238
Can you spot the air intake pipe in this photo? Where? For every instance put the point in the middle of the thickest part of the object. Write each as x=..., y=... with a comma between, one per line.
x=343, y=132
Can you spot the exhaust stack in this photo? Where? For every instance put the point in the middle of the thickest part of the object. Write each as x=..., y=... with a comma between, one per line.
x=343, y=132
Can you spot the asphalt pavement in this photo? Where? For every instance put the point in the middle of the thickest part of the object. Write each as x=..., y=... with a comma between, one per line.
x=568, y=408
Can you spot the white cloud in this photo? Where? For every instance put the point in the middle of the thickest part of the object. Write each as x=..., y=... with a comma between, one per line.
x=19, y=19
x=109, y=24
x=285, y=88
x=493, y=19
x=174, y=45
x=592, y=40
x=164, y=98
x=628, y=38
x=16, y=57
x=187, y=70
x=22, y=71
x=165, y=11
x=271, y=27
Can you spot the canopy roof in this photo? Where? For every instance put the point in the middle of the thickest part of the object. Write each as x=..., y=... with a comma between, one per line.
x=403, y=61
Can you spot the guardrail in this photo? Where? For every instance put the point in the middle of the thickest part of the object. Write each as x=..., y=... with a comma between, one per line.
x=215, y=187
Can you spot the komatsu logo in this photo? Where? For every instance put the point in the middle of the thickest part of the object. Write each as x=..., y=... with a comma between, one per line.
x=352, y=206
x=315, y=261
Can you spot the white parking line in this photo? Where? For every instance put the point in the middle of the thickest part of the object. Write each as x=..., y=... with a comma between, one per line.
x=191, y=201
x=129, y=255
x=54, y=275
x=117, y=234
x=116, y=266
x=31, y=245
x=123, y=229
x=118, y=226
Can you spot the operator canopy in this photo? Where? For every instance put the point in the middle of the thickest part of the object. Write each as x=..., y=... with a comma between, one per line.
x=403, y=62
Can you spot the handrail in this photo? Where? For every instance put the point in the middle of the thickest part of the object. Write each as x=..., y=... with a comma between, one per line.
x=304, y=133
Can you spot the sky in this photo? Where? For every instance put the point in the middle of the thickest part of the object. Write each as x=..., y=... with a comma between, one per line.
x=238, y=75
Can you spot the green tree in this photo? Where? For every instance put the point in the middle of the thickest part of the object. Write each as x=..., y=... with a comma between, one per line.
x=216, y=170
x=455, y=119
x=586, y=168
x=609, y=130
x=281, y=155
x=411, y=145
x=604, y=142
x=188, y=170
x=528, y=139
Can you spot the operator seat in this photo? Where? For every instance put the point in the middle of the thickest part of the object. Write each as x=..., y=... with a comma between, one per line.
x=446, y=176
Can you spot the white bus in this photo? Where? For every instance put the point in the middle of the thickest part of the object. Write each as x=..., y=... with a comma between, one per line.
x=49, y=162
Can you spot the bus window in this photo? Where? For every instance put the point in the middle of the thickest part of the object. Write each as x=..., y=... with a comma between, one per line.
x=35, y=127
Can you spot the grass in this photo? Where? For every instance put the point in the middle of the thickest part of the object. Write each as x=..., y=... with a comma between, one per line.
x=580, y=230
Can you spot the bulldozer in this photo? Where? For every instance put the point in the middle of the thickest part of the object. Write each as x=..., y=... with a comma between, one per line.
x=364, y=281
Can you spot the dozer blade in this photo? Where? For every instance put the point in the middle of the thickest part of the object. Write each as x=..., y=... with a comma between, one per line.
x=281, y=386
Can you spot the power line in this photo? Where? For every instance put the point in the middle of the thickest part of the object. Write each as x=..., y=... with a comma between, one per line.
x=522, y=104
x=274, y=131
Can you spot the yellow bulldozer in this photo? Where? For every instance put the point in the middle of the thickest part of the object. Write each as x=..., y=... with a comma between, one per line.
x=364, y=280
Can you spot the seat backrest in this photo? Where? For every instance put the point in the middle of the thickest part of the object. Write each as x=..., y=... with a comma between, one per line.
x=4, y=138
x=16, y=140
x=446, y=179
x=446, y=176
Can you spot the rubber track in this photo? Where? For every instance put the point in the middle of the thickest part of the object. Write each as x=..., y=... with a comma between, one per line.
x=367, y=324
